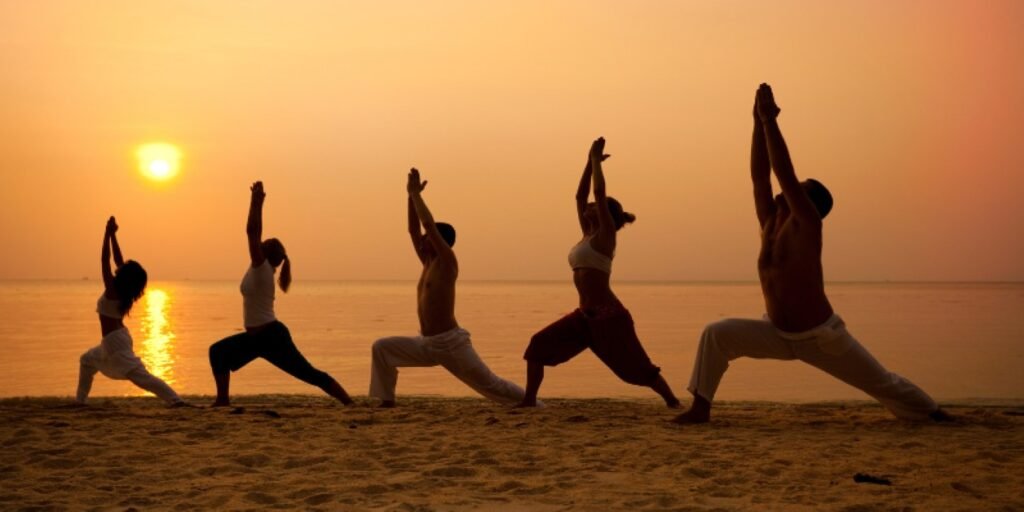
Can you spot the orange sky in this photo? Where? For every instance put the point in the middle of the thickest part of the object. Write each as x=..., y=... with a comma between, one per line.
x=909, y=111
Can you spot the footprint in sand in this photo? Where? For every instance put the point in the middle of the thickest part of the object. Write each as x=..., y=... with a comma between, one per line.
x=485, y=461
x=526, y=491
x=508, y=485
x=301, y=462
x=261, y=498
x=61, y=463
x=218, y=501
x=452, y=471
x=318, y=499
x=912, y=444
x=254, y=460
x=375, y=489
x=966, y=489
x=518, y=470
x=22, y=435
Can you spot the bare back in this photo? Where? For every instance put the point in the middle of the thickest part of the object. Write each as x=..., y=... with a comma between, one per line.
x=792, y=279
x=435, y=296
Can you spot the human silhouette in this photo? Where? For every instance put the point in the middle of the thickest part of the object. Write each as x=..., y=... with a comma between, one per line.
x=114, y=356
x=601, y=323
x=442, y=341
x=800, y=323
x=265, y=336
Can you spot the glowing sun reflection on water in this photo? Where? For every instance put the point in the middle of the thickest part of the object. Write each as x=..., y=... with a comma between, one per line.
x=158, y=346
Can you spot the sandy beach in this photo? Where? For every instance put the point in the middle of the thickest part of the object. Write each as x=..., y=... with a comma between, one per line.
x=304, y=452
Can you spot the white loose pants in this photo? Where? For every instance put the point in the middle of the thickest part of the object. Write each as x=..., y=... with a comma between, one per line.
x=115, y=358
x=452, y=350
x=828, y=347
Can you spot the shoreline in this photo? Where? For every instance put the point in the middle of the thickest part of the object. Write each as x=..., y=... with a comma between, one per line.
x=363, y=401
x=441, y=453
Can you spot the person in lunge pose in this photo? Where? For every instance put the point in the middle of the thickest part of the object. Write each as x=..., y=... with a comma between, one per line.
x=800, y=323
x=114, y=356
x=601, y=323
x=265, y=336
x=441, y=341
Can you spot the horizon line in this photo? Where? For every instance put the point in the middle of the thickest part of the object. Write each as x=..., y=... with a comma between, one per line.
x=627, y=281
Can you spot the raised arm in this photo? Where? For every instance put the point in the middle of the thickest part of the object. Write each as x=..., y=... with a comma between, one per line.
x=583, y=193
x=799, y=204
x=254, y=227
x=112, y=229
x=108, y=275
x=414, y=229
x=606, y=225
x=415, y=188
x=761, y=172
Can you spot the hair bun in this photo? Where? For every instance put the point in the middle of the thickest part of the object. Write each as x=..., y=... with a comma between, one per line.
x=629, y=218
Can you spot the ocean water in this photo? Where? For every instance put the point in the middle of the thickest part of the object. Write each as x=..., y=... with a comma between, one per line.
x=957, y=341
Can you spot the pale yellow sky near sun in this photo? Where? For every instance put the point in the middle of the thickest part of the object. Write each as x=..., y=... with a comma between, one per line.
x=909, y=111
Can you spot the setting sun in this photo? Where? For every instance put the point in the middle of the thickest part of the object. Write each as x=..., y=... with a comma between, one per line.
x=158, y=161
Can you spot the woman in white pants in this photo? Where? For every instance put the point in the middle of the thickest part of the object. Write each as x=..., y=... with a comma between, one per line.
x=114, y=356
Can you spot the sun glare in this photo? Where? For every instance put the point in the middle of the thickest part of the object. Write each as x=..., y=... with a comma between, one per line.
x=158, y=161
x=158, y=349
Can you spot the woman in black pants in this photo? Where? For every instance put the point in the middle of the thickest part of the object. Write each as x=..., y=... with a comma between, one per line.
x=264, y=335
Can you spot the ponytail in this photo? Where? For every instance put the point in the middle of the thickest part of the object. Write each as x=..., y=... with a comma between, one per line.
x=285, y=279
x=620, y=217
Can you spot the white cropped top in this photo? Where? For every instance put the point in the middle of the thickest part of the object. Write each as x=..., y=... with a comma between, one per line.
x=258, y=295
x=109, y=307
x=583, y=255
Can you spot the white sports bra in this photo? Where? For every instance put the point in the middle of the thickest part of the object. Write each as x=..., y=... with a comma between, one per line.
x=109, y=307
x=583, y=255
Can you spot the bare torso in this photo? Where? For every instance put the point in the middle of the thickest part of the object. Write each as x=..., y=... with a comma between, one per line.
x=594, y=285
x=792, y=279
x=594, y=288
x=109, y=325
x=435, y=297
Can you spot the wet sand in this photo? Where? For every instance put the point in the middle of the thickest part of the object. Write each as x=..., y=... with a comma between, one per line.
x=304, y=452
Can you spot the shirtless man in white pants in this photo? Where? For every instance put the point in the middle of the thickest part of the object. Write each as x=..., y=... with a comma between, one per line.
x=442, y=341
x=800, y=323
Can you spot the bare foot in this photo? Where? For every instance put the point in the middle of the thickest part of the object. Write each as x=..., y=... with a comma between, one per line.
x=940, y=416
x=700, y=412
x=692, y=417
x=221, y=403
x=387, y=404
x=181, y=403
x=674, y=404
x=334, y=389
x=526, y=403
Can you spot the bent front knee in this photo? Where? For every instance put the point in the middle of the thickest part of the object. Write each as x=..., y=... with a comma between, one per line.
x=219, y=359
x=721, y=327
x=720, y=334
x=379, y=347
x=540, y=351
